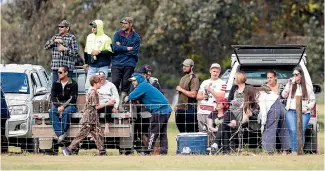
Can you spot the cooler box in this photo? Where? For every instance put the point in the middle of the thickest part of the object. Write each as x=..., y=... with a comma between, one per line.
x=192, y=143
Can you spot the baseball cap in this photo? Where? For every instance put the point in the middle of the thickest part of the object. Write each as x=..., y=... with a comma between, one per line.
x=126, y=20
x=215, y=65
x=64, y=23
x=222, y=100
x=188, y=62
x=93, y=23
x=132, y=79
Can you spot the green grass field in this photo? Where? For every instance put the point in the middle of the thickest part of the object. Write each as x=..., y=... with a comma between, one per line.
x=86, y=159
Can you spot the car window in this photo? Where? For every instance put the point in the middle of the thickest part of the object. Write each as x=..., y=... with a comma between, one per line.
x=46, y=76
x=14, y=82
x=261, y=74
x=35, y=77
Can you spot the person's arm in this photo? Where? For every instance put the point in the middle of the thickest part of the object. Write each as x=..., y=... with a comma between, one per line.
x=54, y=96
x=116, y=97
x=136, y=93
x=73, y=95
x=50, y=43
x=311, y=97
x=118, y=48
x=107, y=51
x=285, y=93
x=200, y=95
x=195, y=84
x=135, y=48
x=232, y=93
x=72, y=50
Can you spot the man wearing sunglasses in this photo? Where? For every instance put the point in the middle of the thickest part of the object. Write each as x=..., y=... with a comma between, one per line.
x=98, y=51
x=64, y=47
x=64, y=96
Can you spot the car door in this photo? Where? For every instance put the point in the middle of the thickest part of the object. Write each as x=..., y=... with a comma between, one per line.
x=269, y=55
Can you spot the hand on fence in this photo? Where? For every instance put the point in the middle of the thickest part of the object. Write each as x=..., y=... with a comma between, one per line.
x=232, y=123
x=110, y=102
x=85, y=67
x=58, y=40
x=114, y=110
x=126, y=99
x=262, y=128
x=60, y=109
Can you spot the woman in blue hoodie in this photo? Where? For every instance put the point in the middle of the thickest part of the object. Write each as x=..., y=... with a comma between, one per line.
x=155, y=103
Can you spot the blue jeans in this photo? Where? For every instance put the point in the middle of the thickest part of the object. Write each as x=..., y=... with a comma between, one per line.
x=92, y=71
x=291, y=120
x=55, y=75
x=61, y=126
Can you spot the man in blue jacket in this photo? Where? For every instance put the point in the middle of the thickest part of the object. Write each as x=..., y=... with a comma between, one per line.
x=126, y=45
x=155, y=103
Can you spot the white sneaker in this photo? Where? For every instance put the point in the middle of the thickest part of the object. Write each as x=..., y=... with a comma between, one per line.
x=62, y=137
x=214, y=145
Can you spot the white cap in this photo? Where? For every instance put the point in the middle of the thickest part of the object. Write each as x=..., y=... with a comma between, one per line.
x=215, y=65
x=132, y=79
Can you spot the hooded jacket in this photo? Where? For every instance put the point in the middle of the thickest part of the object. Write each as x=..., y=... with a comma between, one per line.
x=99, y=41
x=155, y=102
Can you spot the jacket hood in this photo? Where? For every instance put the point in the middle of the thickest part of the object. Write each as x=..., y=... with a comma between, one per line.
x=139, y=77
x=100, y=27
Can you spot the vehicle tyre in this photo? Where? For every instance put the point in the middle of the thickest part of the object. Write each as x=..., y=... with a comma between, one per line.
x=29, y=145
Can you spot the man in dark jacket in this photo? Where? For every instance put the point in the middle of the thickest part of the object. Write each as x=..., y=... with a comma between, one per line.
x=5, y=115
x=155, y=103
x=64, y=96
x=98, y=51
x=126, y=45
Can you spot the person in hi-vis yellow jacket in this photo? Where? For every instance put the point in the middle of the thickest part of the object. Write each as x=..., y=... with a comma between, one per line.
x=98, y=51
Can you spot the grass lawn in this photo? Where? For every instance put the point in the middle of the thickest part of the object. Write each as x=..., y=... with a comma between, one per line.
x=86, y=160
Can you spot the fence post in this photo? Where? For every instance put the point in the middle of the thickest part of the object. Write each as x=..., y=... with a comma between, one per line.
x=300, y=149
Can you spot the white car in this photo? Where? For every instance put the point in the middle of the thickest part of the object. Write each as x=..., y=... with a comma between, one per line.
x=255, y=61
x=25, y=89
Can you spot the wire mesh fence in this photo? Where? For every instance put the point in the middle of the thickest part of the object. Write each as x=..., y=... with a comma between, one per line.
x=130, y=130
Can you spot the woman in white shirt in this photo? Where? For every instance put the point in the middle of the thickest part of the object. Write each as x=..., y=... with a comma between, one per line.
x=297, y=86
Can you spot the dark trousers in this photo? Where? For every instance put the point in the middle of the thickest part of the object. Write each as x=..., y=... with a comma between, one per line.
x=96, y=132
x=4, y=140
x=158, y=127
x=186, y=120
x=108, y=113
x=222, y=137
x=120, y=75
x=55, y=75
x=275, y=126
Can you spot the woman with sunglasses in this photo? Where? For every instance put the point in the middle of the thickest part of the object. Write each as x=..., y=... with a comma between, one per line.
x=297, y=86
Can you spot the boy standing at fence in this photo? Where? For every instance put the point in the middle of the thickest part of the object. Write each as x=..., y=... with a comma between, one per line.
x=90, y=120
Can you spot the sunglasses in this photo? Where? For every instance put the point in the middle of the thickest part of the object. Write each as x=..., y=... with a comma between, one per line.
x=60, y=72
x=296, y=75
x=100, y=73
x=61, y=26
x=93, y=26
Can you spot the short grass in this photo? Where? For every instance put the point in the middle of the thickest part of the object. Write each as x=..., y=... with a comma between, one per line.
x=87, y=160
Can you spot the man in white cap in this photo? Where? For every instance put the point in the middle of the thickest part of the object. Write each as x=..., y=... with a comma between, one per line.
x=186, y=106
x=210, y=90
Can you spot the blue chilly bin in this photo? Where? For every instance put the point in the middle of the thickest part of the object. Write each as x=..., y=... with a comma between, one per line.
x=192, y=143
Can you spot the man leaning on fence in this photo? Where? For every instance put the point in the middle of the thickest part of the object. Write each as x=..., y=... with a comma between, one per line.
x=157, y=104
x=64, y=96
x=187, y=89
x=98, y=51
x=64, y=49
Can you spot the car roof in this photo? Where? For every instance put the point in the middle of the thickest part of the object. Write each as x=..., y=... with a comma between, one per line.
x=19, y=68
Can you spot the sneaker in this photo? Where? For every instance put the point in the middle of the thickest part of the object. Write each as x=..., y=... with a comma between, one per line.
x=66, y=151
x=62, y=137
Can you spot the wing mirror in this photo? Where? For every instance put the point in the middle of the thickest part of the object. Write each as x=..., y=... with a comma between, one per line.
x=317, y=88
x=40, y=91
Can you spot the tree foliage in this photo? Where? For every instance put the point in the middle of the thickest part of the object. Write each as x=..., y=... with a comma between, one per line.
x=171, y=30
